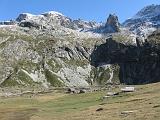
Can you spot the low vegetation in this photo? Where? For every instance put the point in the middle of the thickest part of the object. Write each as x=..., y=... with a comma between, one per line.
x=53, y=79
x=143, y=104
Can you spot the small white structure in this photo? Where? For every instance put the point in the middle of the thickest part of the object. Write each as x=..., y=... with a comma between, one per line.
x=105, y=97
x=112, y=93
x=128, y=89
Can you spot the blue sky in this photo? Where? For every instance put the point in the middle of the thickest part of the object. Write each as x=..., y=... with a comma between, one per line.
x=97, y=10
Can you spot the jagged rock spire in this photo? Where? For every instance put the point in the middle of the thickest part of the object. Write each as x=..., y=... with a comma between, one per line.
x=113, y=22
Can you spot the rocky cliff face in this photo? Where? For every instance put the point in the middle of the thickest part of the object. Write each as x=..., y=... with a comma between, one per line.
x=112, y=25
x=113, y=22
x=43, y=61
x=139, y=64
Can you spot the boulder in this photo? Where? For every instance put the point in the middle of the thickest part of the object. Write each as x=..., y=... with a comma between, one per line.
x=82, y=91
x=99, y=109
x=71, y=90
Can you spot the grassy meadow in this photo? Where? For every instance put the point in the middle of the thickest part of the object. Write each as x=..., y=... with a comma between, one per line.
x=143, y=104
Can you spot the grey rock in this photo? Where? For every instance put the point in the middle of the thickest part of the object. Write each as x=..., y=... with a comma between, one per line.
x=30, y=24
x=82, y=91
x=71, y=90
x=99, y=109
x=113, y=22
x=111, y=26
x=138, y=64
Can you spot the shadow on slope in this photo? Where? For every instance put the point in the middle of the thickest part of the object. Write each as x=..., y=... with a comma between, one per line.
x=139, y=64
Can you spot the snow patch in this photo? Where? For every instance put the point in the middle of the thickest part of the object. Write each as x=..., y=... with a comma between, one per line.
x=52, y=13
x=7, y=26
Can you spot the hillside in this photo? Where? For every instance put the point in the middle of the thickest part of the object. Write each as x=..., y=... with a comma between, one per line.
x=52, y=50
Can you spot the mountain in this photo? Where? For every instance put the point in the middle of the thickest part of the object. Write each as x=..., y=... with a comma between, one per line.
x=51, y=19
x=112, y=25
x=54, y=18
x=145, y=21
x=52, y=50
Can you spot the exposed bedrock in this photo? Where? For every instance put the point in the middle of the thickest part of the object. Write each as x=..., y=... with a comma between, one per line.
x=139, y=64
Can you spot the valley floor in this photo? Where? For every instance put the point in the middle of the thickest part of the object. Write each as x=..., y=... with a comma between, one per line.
x=143, y=104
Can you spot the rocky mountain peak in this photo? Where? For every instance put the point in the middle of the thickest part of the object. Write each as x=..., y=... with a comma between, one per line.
x=145, y=21
x=148, y=11
x=52, y=13
x=53, y=18
x=27, y=16
x=111, y=26
x=112, y=20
